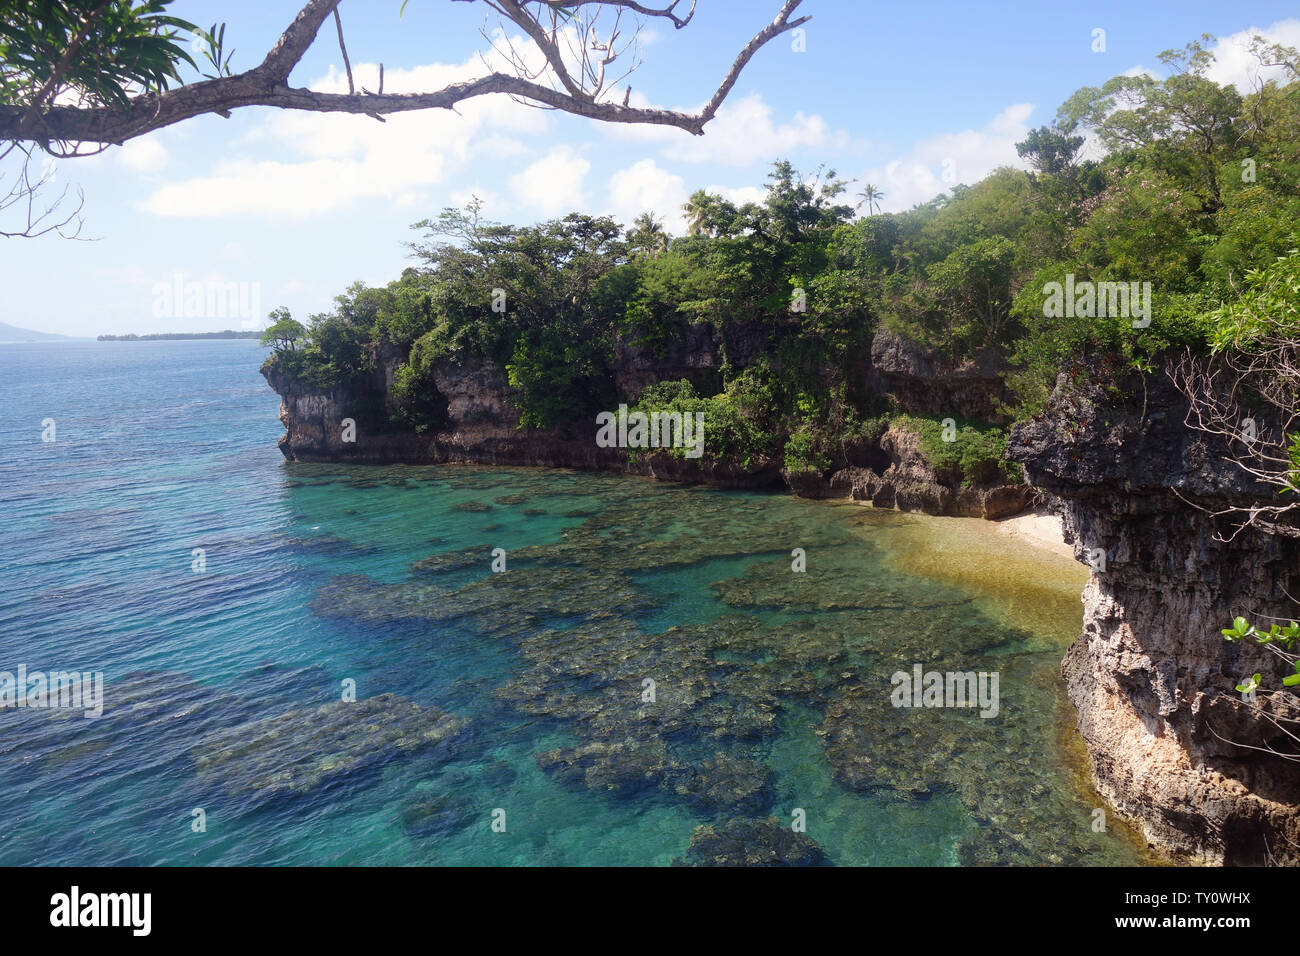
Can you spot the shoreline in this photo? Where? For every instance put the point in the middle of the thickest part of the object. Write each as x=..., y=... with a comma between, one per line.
x=1037, y=529
x=1029, y=577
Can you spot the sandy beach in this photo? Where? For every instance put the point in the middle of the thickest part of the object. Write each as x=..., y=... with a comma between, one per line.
x=1039, y=530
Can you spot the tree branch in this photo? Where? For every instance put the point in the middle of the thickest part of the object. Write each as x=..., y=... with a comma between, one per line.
x=295, y=41
x=266, y=85
x=343, y=48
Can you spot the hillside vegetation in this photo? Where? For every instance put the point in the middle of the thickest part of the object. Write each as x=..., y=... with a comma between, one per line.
x=1196, y=192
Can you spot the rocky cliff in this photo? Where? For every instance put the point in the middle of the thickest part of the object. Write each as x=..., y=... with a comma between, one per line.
x=1172, y=745
x=482, y=426
x=922, y=382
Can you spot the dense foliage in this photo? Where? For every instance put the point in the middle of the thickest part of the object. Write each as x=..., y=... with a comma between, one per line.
x=120, y=47
x=1196, y=190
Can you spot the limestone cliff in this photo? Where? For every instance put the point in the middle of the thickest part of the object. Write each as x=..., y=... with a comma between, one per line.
x=480, y=425
x=904, y=479
x=920, y=381
x=1170, y=740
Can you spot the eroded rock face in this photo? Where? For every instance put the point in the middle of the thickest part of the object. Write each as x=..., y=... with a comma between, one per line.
x=1151, y=676
x=908, y=483
x=922, y=382
x=692, y=355
x=482, y=425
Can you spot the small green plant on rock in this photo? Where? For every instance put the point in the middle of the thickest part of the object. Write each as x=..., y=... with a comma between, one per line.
x=1275, y=638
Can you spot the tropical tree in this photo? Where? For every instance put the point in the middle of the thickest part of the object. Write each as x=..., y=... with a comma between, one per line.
x=1050, y=150
x=1185, y=123
x=648, y=235
x=284, y=331
x=696, y=210
x=871, y=197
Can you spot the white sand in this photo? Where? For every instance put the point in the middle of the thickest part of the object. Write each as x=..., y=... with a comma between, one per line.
x=1037, y=530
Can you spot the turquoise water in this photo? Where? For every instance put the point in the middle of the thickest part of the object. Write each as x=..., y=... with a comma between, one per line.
x=478, y=692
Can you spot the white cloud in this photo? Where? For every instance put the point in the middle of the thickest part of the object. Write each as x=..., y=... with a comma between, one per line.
x=740, y=194
x=284, y=191
x=644, y=187
x=410, y=198
x=145, y=155
x=489, y=199
x=553, y=184
x=1234, y=64
x=742, y=134
x=347, y=158
x=936, y=164
x=1140, y=70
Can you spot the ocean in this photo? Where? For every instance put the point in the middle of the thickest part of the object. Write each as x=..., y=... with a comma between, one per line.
x=335, y=664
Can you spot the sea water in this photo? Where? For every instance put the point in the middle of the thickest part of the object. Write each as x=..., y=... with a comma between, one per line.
x=644, y=662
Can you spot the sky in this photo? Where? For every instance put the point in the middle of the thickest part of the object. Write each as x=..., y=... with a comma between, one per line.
x=275, y=208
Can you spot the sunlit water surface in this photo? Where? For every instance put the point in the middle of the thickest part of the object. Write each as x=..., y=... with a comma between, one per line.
x=522, y=692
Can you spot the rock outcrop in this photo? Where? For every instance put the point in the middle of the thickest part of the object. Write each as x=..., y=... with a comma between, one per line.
x=920, y=381
x=481, y=426
x=1172, y=745
x=907, y=482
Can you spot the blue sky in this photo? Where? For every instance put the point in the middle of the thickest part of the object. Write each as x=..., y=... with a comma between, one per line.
x=294, y=207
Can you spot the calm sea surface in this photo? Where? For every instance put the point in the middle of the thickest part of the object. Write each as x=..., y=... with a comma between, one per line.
x=648, y=662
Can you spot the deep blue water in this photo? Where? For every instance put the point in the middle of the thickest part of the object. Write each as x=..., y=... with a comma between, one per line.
x=162, y=448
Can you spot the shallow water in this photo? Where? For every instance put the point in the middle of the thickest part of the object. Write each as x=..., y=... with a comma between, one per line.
x=519, y=691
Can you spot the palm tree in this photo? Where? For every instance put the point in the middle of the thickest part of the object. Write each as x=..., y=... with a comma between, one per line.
x=697, y=212
x=871, y=196
x=648, y=233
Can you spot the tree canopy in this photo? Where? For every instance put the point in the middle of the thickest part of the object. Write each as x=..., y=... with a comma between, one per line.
x=1196, y=194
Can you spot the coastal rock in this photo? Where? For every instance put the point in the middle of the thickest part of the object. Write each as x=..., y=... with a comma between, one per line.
x=479, y=423
x=909, y=483
x=691, y=353
x=1172, y=746
x=921, y=381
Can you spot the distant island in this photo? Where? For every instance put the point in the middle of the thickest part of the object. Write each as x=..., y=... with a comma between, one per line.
x=157, y=336
x=12, y=334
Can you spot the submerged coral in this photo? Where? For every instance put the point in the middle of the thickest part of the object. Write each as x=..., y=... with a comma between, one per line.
x=689, y=713
x=750, y=842
x=303, y=749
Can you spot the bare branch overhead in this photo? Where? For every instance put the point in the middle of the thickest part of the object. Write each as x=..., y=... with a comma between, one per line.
x=575, y=88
